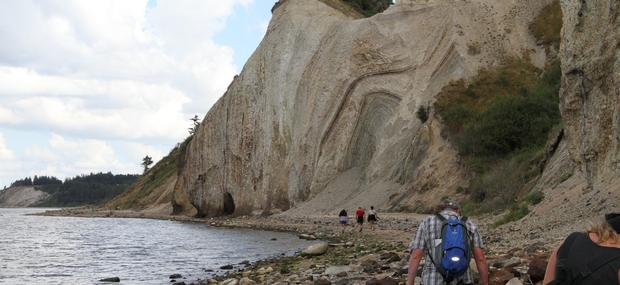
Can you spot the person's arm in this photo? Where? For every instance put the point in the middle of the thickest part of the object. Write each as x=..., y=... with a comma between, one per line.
x=481, y=263
x=414, y=262
x=550, y=272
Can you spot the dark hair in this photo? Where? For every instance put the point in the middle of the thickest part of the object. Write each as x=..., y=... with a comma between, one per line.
x=372, y=207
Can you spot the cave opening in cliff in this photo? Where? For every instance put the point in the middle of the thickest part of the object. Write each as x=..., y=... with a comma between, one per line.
x=229, y=204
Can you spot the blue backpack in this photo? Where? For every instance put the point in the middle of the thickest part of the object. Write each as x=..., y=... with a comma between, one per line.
x=455, y=252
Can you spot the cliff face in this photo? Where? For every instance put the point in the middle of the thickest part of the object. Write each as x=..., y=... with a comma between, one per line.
x=19, y=197
x=324, y=112
x=590, y=95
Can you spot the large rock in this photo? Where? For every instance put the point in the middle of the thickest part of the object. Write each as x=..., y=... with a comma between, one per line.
x=324, y=110
x=316, y=249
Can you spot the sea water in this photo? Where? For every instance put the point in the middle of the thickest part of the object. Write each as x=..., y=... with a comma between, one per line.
x=69, y=250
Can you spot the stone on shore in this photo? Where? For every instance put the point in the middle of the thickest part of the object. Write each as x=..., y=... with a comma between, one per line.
x=322, y=281
x=111, y=279
x=231, y=281
x=227, y=267
x=176, y=276
x=307, y=237
x=316, y=249
x=335, y=270
x=537, y=269
x=246, y=281
x=264, y=270
x=383, y=281
x=514, y=281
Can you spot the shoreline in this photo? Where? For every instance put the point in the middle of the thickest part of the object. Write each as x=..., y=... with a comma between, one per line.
x=353, y=258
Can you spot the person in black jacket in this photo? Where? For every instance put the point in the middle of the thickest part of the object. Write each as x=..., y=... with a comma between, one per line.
x=344, y=219
x=590, y=258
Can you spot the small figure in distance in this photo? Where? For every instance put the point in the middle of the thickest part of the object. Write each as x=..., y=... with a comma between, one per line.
x=448, y=241
x=359, y=214
x=588, y=258
x=344, y=219
x=372, y=218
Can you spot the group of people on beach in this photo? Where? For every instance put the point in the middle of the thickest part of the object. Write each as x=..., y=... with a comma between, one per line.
x=360, y=215
x=448, y=241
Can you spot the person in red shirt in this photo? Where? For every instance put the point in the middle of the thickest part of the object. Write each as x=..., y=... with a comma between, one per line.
x=359, y=214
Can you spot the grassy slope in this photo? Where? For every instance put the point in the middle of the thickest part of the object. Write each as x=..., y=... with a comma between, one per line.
x=500, y=123
x=153, y=185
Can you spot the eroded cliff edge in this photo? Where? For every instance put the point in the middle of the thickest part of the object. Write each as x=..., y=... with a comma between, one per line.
x=323, y=114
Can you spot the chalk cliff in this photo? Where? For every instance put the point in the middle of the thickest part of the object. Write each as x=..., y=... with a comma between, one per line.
x=19, y=197
x=323, y=115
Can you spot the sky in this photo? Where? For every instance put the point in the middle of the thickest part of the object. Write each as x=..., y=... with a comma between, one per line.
x=94, y=86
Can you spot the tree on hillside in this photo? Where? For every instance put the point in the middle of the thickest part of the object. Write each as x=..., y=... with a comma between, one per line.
x=195, y=123
x=146, y=162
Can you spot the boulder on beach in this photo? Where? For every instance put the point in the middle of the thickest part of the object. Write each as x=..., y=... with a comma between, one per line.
x=176, y=276
x=316, y=249
x=110, y=279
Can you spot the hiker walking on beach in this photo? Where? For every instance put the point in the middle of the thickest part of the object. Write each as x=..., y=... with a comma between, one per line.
x=344, y=219
x=588, y=258
x=448, y=241
x=359, y=215
x=372, y=218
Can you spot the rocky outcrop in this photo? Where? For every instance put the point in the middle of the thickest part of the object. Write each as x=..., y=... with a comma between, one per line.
x=324, y=111
x=19, y=197
x=590, y=95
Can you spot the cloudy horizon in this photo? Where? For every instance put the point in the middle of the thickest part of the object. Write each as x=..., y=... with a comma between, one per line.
x=94, y=86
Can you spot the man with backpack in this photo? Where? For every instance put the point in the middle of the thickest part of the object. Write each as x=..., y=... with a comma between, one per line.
x=448, y=242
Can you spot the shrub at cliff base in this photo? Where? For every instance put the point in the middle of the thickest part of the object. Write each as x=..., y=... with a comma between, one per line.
x=500, y=123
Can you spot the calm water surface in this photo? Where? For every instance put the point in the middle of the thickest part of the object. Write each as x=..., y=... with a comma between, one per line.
x=61, y=250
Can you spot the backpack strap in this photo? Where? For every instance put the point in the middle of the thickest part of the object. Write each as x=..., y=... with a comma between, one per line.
x=595, y=266
x=441, y=218
x=437, y=265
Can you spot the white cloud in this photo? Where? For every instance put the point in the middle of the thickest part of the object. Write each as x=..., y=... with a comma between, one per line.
x=137, y=72
x=5, y=152
x=63, y=157
x=112, y=80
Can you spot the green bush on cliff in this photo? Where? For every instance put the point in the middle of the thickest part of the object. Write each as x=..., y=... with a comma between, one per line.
x=500, y=124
